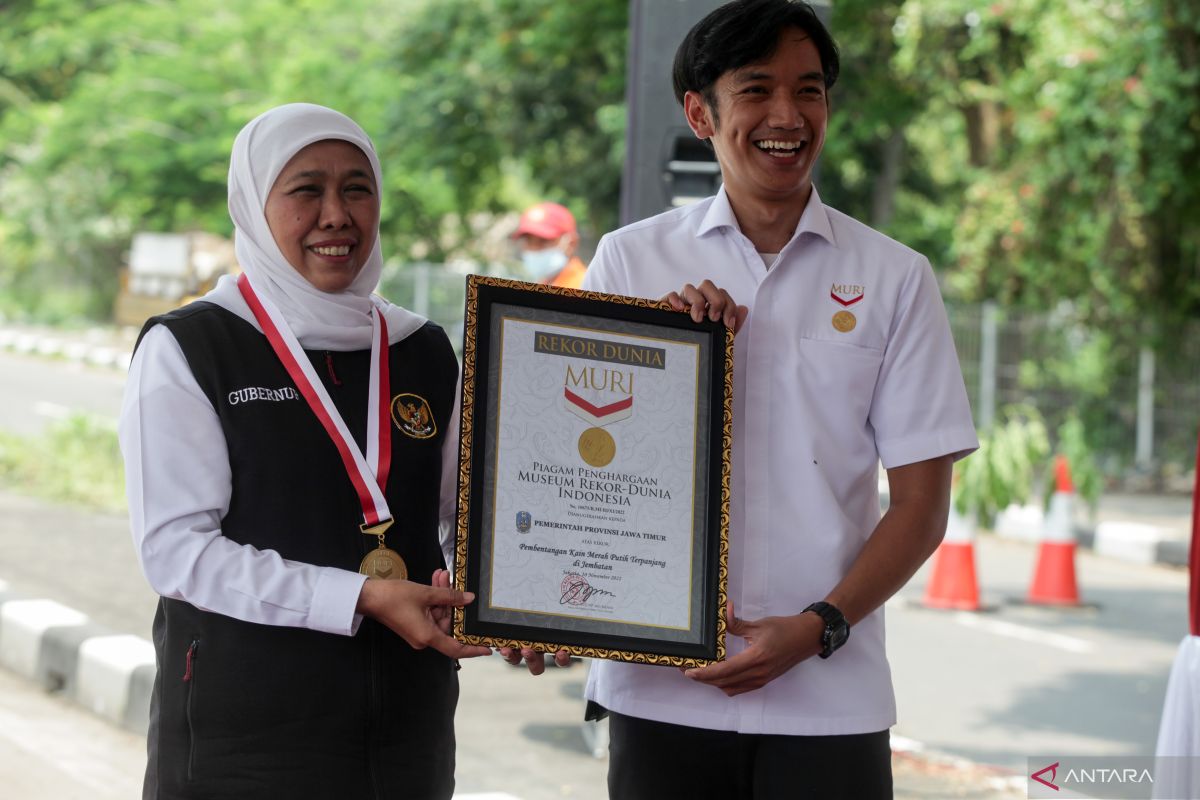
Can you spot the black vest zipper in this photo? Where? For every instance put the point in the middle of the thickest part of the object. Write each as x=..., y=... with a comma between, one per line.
x=329, y=366
x=189, y=677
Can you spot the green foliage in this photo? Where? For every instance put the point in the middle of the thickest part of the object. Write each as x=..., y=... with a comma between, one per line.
x=1081, y=125
x=118, y=116
x=1036, y=151
x=1082, y=367
x=1005, y=467
x=76, y=461
x=487, y=91
x=1073, y=445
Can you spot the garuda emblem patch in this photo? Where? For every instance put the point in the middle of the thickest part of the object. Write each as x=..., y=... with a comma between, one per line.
x=413, y=417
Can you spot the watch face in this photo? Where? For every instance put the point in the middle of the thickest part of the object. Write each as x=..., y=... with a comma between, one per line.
x=838, y=636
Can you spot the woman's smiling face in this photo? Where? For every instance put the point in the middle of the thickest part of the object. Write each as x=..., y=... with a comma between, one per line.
x=323, y=212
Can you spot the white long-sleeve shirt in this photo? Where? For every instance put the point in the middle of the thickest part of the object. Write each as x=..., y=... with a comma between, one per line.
x=179, y=484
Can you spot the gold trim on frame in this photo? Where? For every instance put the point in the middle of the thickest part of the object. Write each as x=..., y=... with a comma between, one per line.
x=467, y=428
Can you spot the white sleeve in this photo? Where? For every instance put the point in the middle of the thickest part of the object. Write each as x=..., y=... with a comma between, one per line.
x=606, y=272
x=179, y=484
x=448, y=495
x=920, y=408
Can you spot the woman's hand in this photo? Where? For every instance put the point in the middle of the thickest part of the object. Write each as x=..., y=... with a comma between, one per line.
x=419, y=614
x=707, y=300
x=533, y=659
x=442, y=615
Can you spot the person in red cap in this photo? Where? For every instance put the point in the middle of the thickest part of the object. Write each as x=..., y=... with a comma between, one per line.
x=548, y=241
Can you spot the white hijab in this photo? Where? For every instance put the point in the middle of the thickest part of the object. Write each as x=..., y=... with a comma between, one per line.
x=320, y=320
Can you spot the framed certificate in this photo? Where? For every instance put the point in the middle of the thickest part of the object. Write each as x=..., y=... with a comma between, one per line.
x=593, y=486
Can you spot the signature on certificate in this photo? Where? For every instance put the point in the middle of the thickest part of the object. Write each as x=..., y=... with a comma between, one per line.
x=576, y=590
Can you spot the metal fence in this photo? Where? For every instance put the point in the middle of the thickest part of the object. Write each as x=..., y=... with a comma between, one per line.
x=1141, y=409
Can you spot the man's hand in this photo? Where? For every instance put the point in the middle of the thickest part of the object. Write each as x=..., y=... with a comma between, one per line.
x=533, y=659
x=442, y=615
x=708, y=300
x=417, y=613
x=776, y=645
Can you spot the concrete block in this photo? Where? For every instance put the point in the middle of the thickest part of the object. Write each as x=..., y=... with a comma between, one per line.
x=1129, y=541
x=49, y=347
x=58, y=657
x=106, y=668
x=1020, y=522
x=137, y=709
x=102, y=357
x=1173, y=552
x=1085, y=537
x=22, y=625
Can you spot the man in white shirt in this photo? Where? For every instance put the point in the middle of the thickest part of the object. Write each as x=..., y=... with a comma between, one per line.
x=844, y=360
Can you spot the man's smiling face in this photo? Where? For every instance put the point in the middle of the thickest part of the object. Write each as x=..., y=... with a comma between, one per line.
x=768, y=125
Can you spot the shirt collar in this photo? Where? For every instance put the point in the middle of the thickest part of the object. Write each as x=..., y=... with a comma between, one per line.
x=814, y=220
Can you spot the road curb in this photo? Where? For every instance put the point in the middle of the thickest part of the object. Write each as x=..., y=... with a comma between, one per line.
x=1129, y=541
x=96, y=355
x=61, y=650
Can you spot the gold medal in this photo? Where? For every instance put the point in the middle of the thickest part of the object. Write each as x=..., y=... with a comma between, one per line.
x=844, y=321
x=384, y=563
x=596, y=447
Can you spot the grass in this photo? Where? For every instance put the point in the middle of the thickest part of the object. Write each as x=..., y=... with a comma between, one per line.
x=76, y=461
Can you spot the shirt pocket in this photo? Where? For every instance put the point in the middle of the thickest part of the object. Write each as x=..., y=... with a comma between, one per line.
x=838, y=379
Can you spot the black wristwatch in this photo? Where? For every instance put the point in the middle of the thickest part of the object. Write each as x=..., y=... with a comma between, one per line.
x=837, y=631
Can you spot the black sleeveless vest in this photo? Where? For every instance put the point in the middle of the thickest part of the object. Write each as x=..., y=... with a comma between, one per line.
x=242, y=710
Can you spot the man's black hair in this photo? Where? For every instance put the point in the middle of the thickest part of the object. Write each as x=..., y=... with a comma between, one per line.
x=745, y=32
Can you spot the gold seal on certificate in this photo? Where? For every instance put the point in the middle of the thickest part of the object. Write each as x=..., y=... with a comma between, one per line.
x=384, y=563
x=596, y=447
x=844, y=321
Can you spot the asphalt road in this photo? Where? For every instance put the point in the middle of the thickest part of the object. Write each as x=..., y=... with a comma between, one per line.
x=53, y=751
x=1018, y=681
x=38, y=391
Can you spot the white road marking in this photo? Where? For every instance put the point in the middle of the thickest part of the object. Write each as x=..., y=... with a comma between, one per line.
x=1070, y=644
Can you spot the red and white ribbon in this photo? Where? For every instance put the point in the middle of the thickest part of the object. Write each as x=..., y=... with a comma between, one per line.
x=369, y=474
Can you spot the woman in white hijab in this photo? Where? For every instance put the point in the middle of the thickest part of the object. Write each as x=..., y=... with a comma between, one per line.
x=284, y=440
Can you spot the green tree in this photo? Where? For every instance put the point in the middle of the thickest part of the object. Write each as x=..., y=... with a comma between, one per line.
x=118, y=116
x=1074, y=129
x=497, y=102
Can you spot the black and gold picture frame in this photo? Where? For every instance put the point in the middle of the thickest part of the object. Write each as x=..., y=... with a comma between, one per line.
x=593, y=486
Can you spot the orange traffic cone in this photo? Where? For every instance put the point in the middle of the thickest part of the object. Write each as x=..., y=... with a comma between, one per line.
x=1054, y=578
x=952, y=583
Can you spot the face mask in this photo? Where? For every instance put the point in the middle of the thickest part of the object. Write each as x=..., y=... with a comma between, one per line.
x=544, y=262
